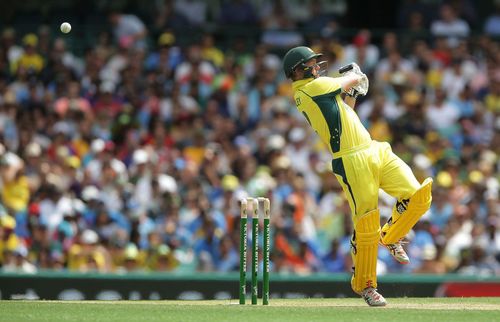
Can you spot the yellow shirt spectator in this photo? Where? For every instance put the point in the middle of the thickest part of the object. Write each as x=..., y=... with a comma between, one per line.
x=30, y=59
x=492, y=103
x=210, y=52
x=27, y=62
x=16, y=194
x=8, y=240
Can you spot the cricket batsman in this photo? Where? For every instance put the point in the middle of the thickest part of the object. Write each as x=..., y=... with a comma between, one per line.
x=361, y=165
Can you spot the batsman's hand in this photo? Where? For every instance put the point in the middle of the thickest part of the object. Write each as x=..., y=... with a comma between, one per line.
x=362, y=87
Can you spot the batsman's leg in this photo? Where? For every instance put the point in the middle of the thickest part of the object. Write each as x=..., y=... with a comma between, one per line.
x=364, y=251
x=406, y=213
x=414, y=199
x=360, y=185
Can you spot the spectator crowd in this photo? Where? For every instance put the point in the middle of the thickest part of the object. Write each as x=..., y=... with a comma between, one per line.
x=133, y=157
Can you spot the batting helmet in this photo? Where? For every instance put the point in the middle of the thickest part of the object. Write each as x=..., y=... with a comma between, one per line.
x=296, y=57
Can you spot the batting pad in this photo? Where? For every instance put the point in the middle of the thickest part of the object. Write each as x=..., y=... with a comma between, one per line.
x=406, y=213
x=364, y=251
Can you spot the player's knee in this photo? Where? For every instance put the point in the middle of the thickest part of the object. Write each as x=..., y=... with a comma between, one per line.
x=367, y=221
x=423, y=196
x=367, y=228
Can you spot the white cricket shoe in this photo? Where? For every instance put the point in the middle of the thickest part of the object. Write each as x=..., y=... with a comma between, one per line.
x=397, y=251
x=372, y=297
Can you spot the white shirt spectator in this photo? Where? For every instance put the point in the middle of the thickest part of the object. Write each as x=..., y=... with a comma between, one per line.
x=450, y=26
x=127, y=27
x=458, y=28
x=184, y=102
x=394, y=65
x=453, y=83
x=194, y=10
x=441, y=116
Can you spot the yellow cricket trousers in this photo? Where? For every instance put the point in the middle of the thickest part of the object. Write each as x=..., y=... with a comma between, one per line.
x=362, y=170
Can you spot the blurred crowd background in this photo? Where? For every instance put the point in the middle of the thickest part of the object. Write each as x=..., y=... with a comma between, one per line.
x=127, y=143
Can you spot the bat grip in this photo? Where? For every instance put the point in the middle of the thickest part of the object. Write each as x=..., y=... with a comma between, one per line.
x=345, y=68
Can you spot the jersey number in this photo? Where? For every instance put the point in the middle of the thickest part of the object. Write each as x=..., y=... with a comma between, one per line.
x=297, y=101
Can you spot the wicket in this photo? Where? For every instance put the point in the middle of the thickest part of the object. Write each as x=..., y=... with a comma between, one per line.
x=254, y=202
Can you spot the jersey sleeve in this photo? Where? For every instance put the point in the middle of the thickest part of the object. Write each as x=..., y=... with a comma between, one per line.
x=325, y=85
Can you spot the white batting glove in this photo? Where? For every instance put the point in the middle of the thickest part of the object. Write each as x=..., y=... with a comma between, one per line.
x=364, y=84
x=362, y=87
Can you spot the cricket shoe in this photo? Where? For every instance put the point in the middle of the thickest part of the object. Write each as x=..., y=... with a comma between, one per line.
x=397, y=251
x=372, y=297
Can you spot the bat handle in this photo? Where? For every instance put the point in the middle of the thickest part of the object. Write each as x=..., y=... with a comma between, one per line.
x=345, y=68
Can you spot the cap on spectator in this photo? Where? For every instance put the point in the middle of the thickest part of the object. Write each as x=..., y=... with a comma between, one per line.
x=297, y=134
x=140, y=156
x=89, y=237
x=7, y=222
x=65, y=206
x=398, y=78
x=167, y=183
x=476, y=176
x=230, y=182
x=90, y=193
x=131, y=252
x=73, y=162
x=21, y=250
x=280, y=105
x=444, y=179
x=282, y=162
x=12, y=160
x=78, y=206
x=33, y=149
x=429, y=252
x=261, y=183
x=97, y=145
x=30, y=40
x=163, y=250
x=166, y=39
x=422, y=161
x=275, y=142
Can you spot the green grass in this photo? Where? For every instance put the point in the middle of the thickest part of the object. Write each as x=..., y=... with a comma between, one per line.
x=400, y=309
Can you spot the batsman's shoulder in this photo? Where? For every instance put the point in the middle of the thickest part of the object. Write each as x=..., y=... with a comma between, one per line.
x=324, y=84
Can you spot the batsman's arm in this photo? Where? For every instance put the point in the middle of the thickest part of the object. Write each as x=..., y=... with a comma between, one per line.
x=350, y=100
x=346, y=82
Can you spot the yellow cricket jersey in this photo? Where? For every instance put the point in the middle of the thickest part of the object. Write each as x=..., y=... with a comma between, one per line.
x=34, y=62
x=318, y=99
